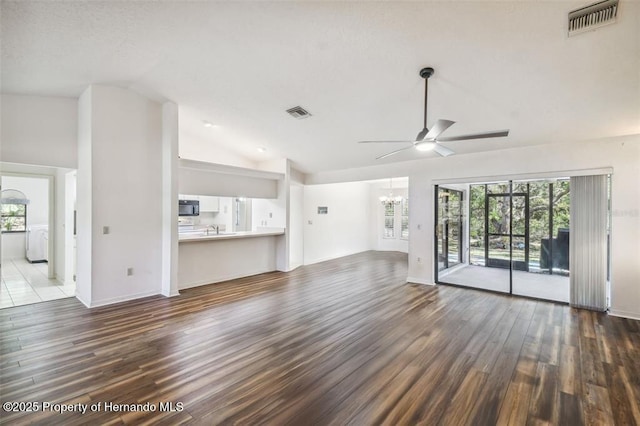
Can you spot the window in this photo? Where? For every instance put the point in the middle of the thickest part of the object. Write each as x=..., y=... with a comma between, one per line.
x=389, y=220
x=14, y=217
x=404, y=223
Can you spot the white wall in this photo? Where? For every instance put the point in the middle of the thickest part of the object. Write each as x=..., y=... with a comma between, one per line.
x=84, y=199
x=39, y=130
x=194, y=147
x=296, y=226
x=37, y=192
x=169, y=201
x=203, y=182
x=345, y=229
x=120, y=172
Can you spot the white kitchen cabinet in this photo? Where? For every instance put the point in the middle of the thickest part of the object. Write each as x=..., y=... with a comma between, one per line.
x=188, y=197
x=209, y=204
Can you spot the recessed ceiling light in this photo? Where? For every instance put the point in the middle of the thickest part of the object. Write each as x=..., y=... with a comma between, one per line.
x=208, y=124
x=262, y=149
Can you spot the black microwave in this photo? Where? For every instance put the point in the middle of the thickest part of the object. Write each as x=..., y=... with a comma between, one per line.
x=188, y=207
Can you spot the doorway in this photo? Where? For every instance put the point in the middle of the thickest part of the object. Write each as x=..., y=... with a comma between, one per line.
x=33, y=235
x=517, y=238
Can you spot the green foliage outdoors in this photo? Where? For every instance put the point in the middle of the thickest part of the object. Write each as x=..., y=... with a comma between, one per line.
x=499, y=217
x=13, y=217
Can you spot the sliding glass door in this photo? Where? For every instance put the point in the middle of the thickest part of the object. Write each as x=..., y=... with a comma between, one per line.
x=546, y=275
x=517, y=242
x=462, y=258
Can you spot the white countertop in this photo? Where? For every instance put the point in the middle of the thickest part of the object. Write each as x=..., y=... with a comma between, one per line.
x=202, y=236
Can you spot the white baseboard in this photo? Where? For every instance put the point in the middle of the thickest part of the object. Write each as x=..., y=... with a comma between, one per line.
x=85, y=303
x=337, y=256
x=223, y=278
x=119, y=299
x=624, y=314
x=419, y=281
x=294, y=266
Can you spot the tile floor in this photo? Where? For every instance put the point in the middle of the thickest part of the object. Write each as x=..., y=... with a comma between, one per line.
x=24, y=283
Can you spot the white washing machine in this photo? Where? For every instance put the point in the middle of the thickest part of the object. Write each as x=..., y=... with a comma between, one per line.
x=37, y=243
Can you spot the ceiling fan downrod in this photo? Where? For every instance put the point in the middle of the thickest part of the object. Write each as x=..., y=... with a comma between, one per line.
x=426, y=73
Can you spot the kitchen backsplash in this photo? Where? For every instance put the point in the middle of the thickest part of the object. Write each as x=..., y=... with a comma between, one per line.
x=205, y=219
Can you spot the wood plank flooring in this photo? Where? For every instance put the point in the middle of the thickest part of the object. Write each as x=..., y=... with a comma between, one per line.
x=341, y=342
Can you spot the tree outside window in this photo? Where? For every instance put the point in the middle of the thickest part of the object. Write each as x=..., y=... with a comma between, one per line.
x=14, y=217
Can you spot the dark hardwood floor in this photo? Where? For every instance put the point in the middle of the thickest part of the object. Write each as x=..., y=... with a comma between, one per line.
x=341, y=342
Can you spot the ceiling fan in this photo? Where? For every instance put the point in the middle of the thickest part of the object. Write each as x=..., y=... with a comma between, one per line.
x=429, y=139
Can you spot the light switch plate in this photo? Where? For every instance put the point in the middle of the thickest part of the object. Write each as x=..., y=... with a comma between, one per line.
x=105, y=230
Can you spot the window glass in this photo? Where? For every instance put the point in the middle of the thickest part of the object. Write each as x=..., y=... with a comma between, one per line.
x=389, y=220
x=476, y=224
x=14, y=217
x=404, y=228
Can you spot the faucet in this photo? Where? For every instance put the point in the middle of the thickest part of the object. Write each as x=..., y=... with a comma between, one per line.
x=212, y=228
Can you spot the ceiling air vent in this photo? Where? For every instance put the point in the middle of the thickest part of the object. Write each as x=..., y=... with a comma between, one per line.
x=298, y=112
x=593, y=16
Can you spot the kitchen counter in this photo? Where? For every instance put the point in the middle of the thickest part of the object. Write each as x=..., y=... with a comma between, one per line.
x=191, y=236
x=207, y=259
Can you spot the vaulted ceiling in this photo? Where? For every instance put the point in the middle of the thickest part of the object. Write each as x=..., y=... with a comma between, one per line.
x=353, y=65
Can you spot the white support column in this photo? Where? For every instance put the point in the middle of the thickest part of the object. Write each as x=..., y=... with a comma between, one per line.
x=84, y=197
x=120, y=196
x=170, y=199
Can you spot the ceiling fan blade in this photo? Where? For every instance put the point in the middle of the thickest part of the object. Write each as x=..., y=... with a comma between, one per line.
x=439, y=127
x=393, y=152
x=385, y=141
x=443, y=150
x=495, y=134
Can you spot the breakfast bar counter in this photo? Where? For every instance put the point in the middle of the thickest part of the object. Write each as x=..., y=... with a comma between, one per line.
x=206, y=259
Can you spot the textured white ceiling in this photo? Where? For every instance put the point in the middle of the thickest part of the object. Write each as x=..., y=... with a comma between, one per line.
x=353, y=65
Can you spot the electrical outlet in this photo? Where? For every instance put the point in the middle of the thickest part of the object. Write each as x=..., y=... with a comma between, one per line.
x=105, y=230
x=419, y=259
x=419, y=227
x=270, y=215
x=129, y=271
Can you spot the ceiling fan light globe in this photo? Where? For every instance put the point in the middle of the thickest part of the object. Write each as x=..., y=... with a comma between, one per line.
x=425, y=146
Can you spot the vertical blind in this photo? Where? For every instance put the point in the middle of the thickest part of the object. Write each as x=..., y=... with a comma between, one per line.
x=588, y=242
